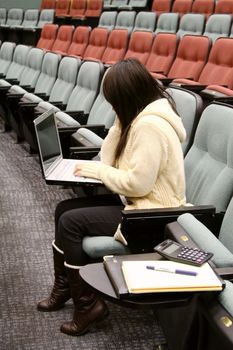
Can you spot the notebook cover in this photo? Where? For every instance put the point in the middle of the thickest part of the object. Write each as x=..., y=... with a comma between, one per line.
x=113, y=268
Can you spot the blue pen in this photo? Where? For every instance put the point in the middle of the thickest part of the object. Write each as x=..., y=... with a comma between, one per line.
x=180, y=272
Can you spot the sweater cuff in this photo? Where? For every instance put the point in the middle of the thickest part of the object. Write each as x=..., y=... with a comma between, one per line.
x=91, y=169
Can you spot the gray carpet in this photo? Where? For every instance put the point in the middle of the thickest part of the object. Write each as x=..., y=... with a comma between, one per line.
x=26, y=230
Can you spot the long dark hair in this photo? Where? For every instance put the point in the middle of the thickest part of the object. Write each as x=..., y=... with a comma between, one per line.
x=129, y=88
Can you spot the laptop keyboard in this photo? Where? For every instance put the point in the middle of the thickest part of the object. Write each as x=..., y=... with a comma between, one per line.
x=64, y=170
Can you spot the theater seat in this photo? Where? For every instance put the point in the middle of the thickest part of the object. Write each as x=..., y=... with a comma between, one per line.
x=14, y=17
x=79, y=41
x=192, y=54
x=63, y=39
x=182, y=6
x=191, y=24
x=167, y=22
x=46, y=16
x=217, y=70
x=48, y=4
x=205, y=7
x=125, y=20
x=162, y=53
x=6, y=55
x=161, y=6
x=140, y=44
x=145, y=21
x=116, y=46
x=218, y=26
x=3, y=15
x=108, y=20
x=97, y=44
x=47, y=36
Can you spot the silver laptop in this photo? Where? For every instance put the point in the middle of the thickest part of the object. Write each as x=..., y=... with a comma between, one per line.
x=56, y=169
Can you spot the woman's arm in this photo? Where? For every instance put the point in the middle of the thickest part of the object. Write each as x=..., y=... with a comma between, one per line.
x=147, y=157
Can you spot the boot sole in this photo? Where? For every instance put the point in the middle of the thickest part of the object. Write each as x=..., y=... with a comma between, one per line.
x=98, y=319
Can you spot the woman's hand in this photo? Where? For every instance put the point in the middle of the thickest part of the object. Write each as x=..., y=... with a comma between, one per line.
x=78, y=169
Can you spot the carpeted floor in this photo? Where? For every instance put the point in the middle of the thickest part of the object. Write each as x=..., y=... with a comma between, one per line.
x=26, y=231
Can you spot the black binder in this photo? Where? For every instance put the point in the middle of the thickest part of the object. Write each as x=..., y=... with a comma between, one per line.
x=112, y=265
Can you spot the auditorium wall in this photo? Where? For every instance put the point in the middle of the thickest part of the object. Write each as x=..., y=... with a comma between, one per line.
x=24, y=4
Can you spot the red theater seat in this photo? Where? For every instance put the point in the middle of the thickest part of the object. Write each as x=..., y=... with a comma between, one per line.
x=162, y=53
x=140, y=44
x=161, y=6
x=62, y=8
x=191, y=57
x=47, y=36
x=205, y=7
x=182, y=6
x=116, y=46
x=48, y=4
x=97, y=44
x=63, y=39
x=79, y=41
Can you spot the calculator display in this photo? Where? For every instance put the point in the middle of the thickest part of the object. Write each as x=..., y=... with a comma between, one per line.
x=171, y=248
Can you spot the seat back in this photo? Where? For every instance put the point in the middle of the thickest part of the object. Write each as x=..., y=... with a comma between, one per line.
x=30, y=18
x=3, y=15
x=219, y=68
x=48, y=4
x=78, y=8
x=167, y=22
x=48, y=73
x=108, y=20
x=66, y=79
x=79, y=41
x=32, y=70
x=137, y=4
x=94, y=8
x=118, y=3
x=63, y=39
x=116, y=46
x=224, y=6
x=192, y=54
x=46, y=16
x=62, y=8
x=217, y=26
x=14, y=17
x=191, y=23
x=101, y=111
x=209, y=162
x=182, y=6
x=47, y=36
x=140, y=44
x=145, y=21
x=205, y=7
x=87, y=87
x=162, y=53
x=125, y=20
x=18, y=62
x=189, y=106
x=97, y=44
x=161, y=6
x=6, y=55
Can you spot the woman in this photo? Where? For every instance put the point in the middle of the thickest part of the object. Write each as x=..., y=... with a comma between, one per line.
x=141, y=164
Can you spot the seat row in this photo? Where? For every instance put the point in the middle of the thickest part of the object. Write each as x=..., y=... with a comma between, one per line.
x=206, y=7
x=31, y=18
x=167, y=57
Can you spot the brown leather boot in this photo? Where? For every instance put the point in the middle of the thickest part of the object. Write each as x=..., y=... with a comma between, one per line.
x=61, y=290
x=88, y=307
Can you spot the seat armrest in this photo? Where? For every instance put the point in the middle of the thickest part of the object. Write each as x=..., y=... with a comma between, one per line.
x=30, y=105
x=225, y=272
x=2, y=76
x=165, y=81
x=59, y=104
x=14, y=96
x=13, y=81
x=144, y=229
x=79, y=116
x=194, y=88
x=83, y=152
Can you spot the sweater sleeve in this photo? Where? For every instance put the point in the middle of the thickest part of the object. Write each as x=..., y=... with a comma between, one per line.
x=148, y=156
x=110, y=143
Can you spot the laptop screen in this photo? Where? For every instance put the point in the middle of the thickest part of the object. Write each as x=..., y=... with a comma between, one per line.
x=48, y=140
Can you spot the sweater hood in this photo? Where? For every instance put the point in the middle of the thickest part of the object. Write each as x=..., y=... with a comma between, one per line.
x=163, y=109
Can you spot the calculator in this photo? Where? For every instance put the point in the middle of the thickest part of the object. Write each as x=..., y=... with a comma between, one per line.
x=177, y=252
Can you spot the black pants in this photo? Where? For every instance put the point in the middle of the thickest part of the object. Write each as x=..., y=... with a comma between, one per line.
x=88, y=216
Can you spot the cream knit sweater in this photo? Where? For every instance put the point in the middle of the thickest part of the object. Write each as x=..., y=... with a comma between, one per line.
x=150, y=172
